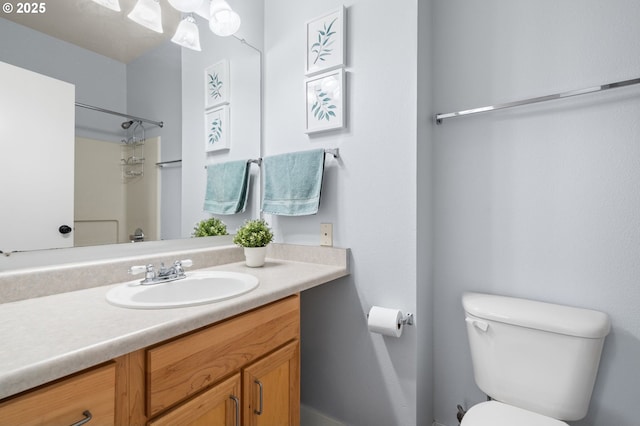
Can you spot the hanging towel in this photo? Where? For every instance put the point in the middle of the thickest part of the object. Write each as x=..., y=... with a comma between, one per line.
x=227, y=187
x=292, y=183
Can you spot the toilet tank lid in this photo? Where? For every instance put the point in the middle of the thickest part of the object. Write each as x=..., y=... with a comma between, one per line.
x=550, y=317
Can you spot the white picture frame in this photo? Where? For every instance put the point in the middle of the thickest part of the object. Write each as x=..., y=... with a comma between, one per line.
x=325, y=101
x=326, y=39
x=217, y=84
x=216, y=129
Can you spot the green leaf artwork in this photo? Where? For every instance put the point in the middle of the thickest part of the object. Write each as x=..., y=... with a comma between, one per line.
x=321, y=47
x=323, y=108
x=215, y=133
x=215, y=86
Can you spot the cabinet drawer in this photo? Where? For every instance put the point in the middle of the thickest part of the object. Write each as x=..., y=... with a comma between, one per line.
x=64, y=402
x=182, y=367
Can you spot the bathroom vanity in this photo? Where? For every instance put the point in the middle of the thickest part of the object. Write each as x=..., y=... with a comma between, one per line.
x=72, y=356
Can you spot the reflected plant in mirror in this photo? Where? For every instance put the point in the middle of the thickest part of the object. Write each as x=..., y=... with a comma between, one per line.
x=210, y=228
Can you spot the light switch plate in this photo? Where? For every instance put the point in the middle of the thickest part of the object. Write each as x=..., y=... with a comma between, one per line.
x=326, y=234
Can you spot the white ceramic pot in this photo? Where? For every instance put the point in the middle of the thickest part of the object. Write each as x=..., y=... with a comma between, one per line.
x=254, y=256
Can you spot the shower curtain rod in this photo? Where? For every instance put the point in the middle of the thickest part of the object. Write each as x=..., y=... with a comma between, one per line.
x=132, y=117
x=440, y=117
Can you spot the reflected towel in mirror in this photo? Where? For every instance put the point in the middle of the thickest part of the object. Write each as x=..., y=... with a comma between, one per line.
x=227, y=187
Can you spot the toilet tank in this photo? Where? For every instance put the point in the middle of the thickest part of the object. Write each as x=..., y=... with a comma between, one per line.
x=538, y=356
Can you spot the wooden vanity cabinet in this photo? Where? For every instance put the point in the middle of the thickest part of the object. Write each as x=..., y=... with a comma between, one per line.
x=244, y=370
x=84, y=396
x=268, y=395
x=218, y=406
x=271, y=391
x=252, y=360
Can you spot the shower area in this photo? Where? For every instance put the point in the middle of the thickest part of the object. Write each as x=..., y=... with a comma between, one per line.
x=117, y=185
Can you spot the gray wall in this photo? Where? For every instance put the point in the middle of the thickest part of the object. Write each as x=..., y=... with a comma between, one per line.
x=542, y=201
x=99, y=81
x=154, y=91
x=370, y=195
x=424, y=220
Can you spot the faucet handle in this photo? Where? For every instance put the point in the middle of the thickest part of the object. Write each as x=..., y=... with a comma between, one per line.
x=139, y=269
x=185, y=262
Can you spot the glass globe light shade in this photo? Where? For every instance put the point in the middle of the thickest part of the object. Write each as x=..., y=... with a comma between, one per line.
x=186, y=5
x=110, y=4
x=148, y=14
x=223, y=21
x=187, y=34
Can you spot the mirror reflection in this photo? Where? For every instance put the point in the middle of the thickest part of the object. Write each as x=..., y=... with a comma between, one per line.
x=117, y=192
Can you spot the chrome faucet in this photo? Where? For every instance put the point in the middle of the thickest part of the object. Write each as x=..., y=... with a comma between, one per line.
x=162, y=275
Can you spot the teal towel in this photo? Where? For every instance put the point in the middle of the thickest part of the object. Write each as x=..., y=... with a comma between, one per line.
x=227, y=187
x=292, y=183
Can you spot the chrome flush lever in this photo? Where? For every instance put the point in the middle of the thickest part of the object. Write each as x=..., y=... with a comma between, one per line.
x=481, y=325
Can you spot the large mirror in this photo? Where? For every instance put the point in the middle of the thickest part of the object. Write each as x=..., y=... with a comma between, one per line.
x=117, y=65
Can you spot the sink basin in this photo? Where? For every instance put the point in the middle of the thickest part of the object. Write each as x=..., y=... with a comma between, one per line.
x=197, y=289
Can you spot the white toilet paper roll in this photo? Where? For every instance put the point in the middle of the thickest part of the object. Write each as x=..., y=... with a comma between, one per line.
x=385, y=321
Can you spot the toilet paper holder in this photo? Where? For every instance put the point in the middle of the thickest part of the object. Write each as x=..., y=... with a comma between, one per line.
x=406, y=320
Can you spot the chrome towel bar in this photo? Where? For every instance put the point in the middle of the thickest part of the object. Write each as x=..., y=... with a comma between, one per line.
x=443, y=116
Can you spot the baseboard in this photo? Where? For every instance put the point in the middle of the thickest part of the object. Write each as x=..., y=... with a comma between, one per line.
x=312, y=417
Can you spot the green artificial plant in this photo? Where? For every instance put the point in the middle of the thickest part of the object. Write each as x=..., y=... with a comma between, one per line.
x=254, y=233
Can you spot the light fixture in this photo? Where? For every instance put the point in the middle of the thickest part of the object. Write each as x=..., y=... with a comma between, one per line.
x=223, y=21
x=148, y=14
x=187, y=34
x=186, y=5
x=109, y=4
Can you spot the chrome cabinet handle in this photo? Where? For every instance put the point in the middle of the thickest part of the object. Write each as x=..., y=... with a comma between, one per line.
x=87, y=418
x=259, y=383
x=237, y=403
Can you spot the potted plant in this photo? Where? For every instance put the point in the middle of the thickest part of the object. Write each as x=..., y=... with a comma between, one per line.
x=209, y=228
x=254, y=236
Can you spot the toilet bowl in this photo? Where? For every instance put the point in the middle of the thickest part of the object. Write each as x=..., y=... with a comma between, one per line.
x=537, y=361
x=494, y=413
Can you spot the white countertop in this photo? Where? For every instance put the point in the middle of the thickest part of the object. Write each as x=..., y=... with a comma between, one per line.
x=46, y=338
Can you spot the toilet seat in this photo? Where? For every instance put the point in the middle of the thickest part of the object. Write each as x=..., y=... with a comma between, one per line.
x=494, y=413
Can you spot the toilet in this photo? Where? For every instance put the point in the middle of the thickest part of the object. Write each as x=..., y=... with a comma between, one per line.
x=536, y=361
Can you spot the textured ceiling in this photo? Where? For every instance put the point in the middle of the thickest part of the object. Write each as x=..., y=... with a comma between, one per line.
x=96, y=28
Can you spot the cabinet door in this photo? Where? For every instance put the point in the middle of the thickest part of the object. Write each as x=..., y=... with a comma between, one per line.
x=271, y=389
x=68, y=401
x=218, y=406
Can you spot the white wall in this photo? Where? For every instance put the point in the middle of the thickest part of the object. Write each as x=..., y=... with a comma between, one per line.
x=369, y=194
x=542, y=201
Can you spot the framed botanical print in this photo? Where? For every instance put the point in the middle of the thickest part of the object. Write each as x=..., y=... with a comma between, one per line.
x=326, y=37
x=325, y=101
x=217, y=84
x=217, y=127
